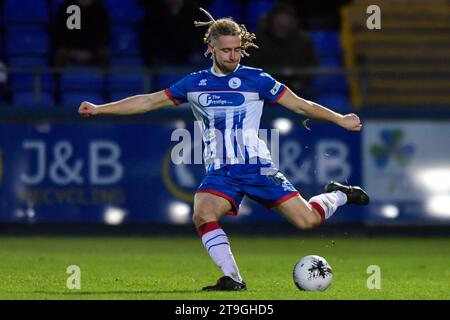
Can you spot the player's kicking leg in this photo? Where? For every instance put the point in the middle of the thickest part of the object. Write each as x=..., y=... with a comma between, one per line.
x=306, y=215
x=208, y=209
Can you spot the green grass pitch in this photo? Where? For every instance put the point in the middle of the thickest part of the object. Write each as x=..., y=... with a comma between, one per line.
x=174, y=268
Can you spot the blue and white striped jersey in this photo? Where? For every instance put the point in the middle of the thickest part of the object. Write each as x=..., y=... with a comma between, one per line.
x=229, y=108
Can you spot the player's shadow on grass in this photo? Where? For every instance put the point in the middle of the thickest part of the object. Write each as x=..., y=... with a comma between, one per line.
x=80, y=292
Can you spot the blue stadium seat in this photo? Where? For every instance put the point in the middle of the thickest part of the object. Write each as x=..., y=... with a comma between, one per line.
x=165, y=80
x=332, y=83
x=326, y=43
x=28, y=61
x=125, y=41
x=90, y=80
x=127, y=61
x=26, y=81
x=28, y=99
x=256, y=9
x=121, y=11
x=226, y=8
x=24, y=39
x=73, y=99
x=25, y=11
x=338, y=102
x=126, y=81
x=331, y=62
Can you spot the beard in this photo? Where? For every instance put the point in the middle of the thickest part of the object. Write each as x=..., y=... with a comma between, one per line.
x=225, y=67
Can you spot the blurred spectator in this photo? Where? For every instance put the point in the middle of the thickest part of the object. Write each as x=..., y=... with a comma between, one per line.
x=85, y=46
x=284, y=48
x=169, y=37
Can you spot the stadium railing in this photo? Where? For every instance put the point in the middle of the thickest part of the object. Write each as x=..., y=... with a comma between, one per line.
x=68, y=87
x=57, y=93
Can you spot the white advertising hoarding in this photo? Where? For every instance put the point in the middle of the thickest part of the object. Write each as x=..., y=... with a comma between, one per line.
x=406, y=162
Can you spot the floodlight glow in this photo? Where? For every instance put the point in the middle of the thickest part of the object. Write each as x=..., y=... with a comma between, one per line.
x=179, y=212
x=390, y=211
x=439, y=206
x=435, y=179
x=283, y=125
x=19, y=213
x=31, y=213
x=114, y=215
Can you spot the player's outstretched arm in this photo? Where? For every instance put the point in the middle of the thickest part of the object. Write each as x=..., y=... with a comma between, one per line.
x=313, y=110
x=128, y=106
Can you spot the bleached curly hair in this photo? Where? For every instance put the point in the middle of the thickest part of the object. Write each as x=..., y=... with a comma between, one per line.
x=226, y=27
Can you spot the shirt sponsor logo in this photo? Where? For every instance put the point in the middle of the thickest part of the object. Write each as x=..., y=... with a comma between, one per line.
x=221, y=99
x=275, y=88
x=234, y=83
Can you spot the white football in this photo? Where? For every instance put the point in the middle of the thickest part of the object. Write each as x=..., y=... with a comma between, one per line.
x=312, y=273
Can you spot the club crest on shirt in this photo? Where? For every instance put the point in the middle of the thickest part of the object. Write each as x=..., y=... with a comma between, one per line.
x=234, y=83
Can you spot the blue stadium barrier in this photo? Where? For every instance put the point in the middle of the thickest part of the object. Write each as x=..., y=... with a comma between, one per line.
x=331, y=62
x=25, y=11
x=73, y=99
x=329, y=84
x=26, y=81
x=83, y=79
x=26, y=40
x=28, y=99
x=121, y=11
x=125, y=81
x=337, y=102
x=127, y=61
x=28, y=61
x=139, y=188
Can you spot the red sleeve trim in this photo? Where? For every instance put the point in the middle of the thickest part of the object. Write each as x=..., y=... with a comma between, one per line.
x=279, y=97
x=169, y=95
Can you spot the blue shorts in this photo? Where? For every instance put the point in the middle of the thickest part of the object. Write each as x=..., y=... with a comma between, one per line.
x=232, y=182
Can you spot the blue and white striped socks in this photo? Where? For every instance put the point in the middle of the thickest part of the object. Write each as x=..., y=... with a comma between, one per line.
x=218, y=246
